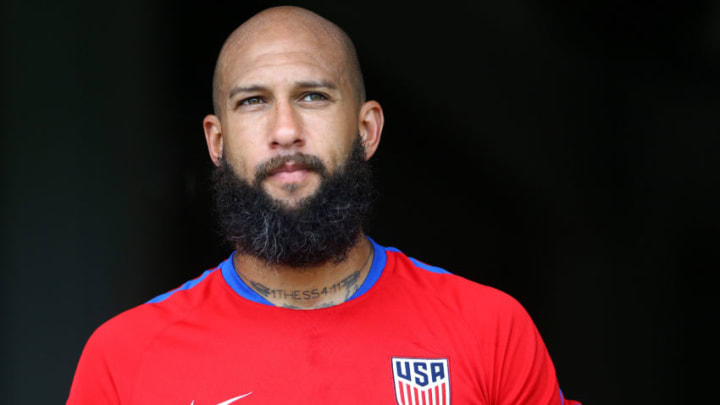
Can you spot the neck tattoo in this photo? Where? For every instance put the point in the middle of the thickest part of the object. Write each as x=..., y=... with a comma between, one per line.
x=349, y=285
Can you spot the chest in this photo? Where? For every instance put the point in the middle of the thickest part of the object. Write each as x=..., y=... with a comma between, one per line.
x=383, y=359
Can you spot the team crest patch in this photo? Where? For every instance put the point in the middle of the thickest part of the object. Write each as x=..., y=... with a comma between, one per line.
x=421, y=381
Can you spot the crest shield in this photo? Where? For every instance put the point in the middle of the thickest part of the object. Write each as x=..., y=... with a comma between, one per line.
x=421, y=381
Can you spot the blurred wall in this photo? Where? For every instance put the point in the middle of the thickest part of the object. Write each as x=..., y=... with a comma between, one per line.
x=567, y=155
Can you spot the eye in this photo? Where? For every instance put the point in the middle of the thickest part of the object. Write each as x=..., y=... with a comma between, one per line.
x=251, y=101
x=314, y=97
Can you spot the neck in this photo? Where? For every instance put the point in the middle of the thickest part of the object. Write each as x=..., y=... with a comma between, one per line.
x=313, y=287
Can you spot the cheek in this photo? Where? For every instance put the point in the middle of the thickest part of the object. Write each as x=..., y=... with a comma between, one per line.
x=238, y=169
x=334, y=146
x=241, y=152
x=239, y=164
x=337, y=155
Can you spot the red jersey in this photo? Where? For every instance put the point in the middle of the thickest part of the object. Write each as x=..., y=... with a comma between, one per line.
x=412, y=334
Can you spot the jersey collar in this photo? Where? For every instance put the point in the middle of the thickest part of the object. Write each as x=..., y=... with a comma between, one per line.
x=238, y=285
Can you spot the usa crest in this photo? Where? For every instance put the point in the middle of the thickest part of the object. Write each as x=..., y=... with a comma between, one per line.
x=421, y=381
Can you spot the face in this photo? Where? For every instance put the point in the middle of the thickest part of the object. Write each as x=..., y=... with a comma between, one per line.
x=283, y=96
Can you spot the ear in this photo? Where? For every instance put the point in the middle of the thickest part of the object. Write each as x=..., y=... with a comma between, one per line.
x=370, y=122
x=213, y=137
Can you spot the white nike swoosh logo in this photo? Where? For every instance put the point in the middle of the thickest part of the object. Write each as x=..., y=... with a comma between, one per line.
x=229, y=401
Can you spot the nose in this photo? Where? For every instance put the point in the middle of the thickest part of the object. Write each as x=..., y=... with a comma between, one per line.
x=287, y=129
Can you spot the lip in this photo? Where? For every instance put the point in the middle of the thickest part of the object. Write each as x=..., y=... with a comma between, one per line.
x=290, y=172
x=289, y=167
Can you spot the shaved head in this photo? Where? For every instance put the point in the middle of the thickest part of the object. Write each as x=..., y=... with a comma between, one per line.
x=283, y=24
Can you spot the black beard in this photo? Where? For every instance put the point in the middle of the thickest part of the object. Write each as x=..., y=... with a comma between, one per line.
x=323, y=227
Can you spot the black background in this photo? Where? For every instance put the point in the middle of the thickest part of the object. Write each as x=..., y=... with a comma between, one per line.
x=564, y=153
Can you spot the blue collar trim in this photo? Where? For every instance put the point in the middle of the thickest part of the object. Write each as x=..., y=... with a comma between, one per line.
x=238, y=285
x=235, y=282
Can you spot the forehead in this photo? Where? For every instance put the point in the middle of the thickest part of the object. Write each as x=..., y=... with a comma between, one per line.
x=284, y=56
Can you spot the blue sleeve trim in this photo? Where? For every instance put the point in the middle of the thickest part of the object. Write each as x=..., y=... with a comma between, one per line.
x=428, y=267
x=188, y=285
x=562, y=397
x=420, y=264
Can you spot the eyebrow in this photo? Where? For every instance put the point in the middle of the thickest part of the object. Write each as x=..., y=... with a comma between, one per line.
x=316, y=84
x=303, y=85
x=245, y=89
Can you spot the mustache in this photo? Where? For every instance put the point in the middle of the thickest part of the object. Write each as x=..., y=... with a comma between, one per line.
x=301, y=160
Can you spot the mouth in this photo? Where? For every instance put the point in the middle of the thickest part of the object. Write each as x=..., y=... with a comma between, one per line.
x=290, y=172
x=288, y=167
x=287, y=170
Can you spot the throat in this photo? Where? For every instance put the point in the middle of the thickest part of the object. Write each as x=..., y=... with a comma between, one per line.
x=308, y=288
x=311, y=298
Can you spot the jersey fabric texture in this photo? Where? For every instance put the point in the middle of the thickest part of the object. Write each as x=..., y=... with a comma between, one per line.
x=412, y=334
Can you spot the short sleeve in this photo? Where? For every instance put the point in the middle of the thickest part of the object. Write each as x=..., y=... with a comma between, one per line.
x=524, y=371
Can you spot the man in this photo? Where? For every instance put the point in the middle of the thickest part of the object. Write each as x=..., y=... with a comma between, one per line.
x=308, y=309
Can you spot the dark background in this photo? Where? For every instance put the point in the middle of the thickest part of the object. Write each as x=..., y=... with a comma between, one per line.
x=564, y=153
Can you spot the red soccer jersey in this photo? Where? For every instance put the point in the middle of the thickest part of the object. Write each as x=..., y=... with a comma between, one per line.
x=412, y=334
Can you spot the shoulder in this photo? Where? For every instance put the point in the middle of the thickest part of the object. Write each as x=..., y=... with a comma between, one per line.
x=116, y=349
x=145, y=321
x=472, y=300
x=412, y=270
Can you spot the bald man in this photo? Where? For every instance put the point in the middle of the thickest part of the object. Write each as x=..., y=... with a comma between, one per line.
x=308, y=309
